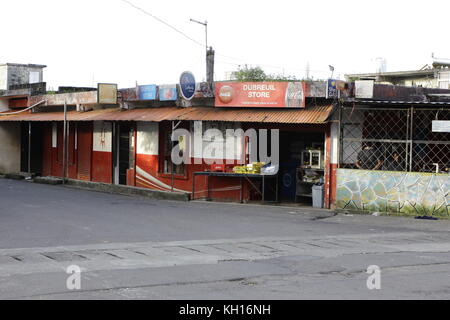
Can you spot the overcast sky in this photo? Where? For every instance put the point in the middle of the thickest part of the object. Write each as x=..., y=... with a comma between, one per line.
x=88, y=41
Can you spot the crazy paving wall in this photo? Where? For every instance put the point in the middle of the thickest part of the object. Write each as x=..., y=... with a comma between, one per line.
x=403, y=193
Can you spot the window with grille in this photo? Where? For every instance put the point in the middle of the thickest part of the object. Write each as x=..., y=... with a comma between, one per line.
x=393, y=139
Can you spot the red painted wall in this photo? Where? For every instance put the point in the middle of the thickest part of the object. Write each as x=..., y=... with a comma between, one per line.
x=221, y=188
x=102, y=167
x=18, y=103
x=84, y=150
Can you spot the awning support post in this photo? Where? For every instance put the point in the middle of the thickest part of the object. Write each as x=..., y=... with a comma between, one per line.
x=65, y=144
x=29, y=147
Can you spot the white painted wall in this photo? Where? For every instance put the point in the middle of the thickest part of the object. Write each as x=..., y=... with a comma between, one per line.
x=229, y=146
x=148, y=138
x=444, y=80
x=9, y=147
x=334, y=140
x=102, y=136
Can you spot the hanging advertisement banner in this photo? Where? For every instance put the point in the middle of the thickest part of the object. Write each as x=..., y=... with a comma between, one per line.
x=332, y=91
x=168, y=92
x=147, y=92
x=260, y=94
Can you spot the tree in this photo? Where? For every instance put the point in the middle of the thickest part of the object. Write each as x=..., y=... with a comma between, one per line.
x=251, y=74
x=256, y=74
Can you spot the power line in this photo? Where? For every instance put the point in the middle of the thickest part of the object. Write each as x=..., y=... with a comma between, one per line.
x=163, y=22
x=202, y=44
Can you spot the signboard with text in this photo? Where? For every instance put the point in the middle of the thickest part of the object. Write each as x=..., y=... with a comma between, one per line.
x=332, y=90
x=441, y=126
x=147, y=92
x=260, y=94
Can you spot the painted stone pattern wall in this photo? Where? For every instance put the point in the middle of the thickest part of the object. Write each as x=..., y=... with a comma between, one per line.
x=405, y=193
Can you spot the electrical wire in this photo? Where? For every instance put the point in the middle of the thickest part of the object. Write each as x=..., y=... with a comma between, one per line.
x=163, y=22
x=202, y=44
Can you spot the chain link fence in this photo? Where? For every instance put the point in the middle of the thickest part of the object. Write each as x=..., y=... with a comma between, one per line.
x=393, y=139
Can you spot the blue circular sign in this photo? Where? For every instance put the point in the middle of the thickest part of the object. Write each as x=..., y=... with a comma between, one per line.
x=187, y=85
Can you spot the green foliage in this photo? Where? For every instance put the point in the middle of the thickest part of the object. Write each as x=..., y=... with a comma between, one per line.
x=256, y=74
x=250, y=74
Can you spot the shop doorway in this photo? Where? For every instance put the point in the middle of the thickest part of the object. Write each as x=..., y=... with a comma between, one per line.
x=123, y=159
x=302, y=156
x=32, y=137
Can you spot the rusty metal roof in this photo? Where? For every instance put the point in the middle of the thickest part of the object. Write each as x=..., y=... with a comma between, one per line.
x=310, y=115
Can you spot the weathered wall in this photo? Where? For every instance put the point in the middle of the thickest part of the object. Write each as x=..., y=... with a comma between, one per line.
x=405, y=193
x=421, y=82
x=3, y=77
x=20, y=74
x=4, y=105
x=9, y=147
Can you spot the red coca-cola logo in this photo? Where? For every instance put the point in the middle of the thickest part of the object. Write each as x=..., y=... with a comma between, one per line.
x=226, y=94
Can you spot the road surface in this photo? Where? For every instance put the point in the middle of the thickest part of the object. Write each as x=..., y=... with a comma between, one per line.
x=138, y=248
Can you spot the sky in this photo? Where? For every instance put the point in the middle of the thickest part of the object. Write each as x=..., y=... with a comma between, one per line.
x=85, y=42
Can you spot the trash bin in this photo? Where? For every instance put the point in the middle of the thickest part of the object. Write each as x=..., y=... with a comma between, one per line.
x=317, y=194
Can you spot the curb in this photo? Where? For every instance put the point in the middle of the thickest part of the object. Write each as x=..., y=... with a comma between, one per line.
x=18, y=176
x=129, y=191
x=48, y=180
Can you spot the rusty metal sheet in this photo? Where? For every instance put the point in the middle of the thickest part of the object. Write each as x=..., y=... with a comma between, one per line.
x=310, y=115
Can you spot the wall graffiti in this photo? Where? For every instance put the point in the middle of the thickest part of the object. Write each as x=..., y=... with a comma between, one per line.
x=405, y=193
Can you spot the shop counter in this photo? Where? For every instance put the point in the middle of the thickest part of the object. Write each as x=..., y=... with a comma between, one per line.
x=241, y=176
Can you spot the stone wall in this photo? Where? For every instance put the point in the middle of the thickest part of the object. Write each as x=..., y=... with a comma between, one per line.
x=403, y=193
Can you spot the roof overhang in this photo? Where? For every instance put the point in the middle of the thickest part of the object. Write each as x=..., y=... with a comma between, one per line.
x=310, y=115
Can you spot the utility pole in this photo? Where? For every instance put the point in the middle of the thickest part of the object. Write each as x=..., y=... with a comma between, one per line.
x=205, y=24
x=209, y=55
x=210, y=67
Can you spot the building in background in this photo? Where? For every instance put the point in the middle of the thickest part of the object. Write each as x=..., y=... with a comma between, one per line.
x=13, y=75
x=435, y=76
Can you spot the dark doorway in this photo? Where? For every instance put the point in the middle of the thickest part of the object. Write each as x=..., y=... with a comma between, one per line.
x=293, y=146
x=122, y=133
x=32, y=138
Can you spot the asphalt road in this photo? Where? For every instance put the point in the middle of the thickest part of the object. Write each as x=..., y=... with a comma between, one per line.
x=138, y=248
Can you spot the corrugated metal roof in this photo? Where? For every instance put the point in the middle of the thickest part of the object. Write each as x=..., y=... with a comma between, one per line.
x=310, y=115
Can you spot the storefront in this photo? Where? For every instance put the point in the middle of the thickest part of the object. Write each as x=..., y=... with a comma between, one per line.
x=282, y=129
x=395, y=158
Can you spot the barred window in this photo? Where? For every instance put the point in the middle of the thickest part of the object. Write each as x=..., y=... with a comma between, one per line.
x=393, y=139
